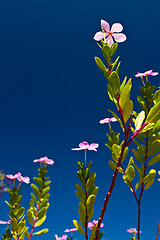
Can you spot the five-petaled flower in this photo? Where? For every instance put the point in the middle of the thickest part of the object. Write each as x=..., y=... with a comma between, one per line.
x=108, y=34
x=44, y=160
x=85, y=146
x=107, y=120
x=5, y=222
x=147, y=73
x=9, y=176
x=91, y=224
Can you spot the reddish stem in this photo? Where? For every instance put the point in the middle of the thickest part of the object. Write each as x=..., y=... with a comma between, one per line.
x=86, y=224
x=136, y=133
x=158, y=229
x=33, y=225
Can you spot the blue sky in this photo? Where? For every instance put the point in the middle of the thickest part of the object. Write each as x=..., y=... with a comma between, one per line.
x=52, y=96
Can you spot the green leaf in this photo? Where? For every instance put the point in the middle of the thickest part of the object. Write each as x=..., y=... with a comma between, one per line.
x=154, y=148
x=150, y=176
x=90, y=183
x=156, y=98
x=130, y=173
x=41, y=232
x=78, y=226
x=106, y=50
x=35, y=189
x=41, y=213
x=154, y=114
x=38, y=180
x=117, y=150
x=138, y=184
x=43, y=203
x=117, y=69
x=90, y=215
x=29, y=216
x=39, y=222
x=80, y=193
x=93, y=232
x=139, y=120
x=111, y=93
x=100, y=64
x=118, y=119
x=13, y=224
x=45, y=190
x=125, y=94
x=114, y=82
x=20, y=212
x=34, y=197
x=149, y=184
x=138, y=156
x=21, y=227
x=123, y=84
x=142, y=103
x=90, y=202
x=128, y=108
x=82, y=213
x=114, y=48
x=115, y=63
x=154, y=160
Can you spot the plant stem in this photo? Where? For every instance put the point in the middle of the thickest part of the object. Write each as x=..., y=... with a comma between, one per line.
x=158, y=229
x=33, y=225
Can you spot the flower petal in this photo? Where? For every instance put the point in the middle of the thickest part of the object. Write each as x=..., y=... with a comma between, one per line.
x=105, y=25
x=139, y=74
x=84, y=145
x=109, y=40
x=98, y=36
x=148, y=72
x=105, y=120
x=93, y=146
x=116, y=27
x=119, y=37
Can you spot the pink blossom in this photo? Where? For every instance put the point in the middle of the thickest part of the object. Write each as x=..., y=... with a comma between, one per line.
x=4, y=222
x=71, y=230
x=147, y=73
x=132, y=230
x=107, y=120
x=64, y=237
x=44, y=160
x=24, y=179
x=114, y=32
x=91, y=224
x=16, y=176
x=84, y=145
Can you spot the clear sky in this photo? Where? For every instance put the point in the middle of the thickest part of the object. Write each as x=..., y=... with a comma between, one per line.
x=52, y=96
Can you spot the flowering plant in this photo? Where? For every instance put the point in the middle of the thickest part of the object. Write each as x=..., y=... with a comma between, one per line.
x=139, y=128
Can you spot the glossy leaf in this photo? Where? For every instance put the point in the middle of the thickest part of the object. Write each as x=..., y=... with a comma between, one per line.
x=34, y=197
x=138, y=156
x=156, y=98
x=78, y=226
x=29, y=217
x=115, y=63
x=41, y=232
x=20, y=212
x=125, y=94
x=45, y=190
x=90, y=202
x=154, y=160
x=130, y=173
x=149, y=184
x=114, y=82
x=106, y=50
x=154, y=148
x=154, y=114
x=117, y=150
x=100, y=64
x=114, y=165
x=93, y=232
x=139, y=120
x=35, y=189
x=114, y=48
x=41, y=212
x=150, y=176
x=127, y=110
x=90, y=183
x=39, y=222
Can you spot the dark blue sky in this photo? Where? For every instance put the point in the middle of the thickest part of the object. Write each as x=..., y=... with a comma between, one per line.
x=52, y=97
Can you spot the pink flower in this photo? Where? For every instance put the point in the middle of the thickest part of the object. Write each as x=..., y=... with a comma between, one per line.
x=107, y=120
x=16, y=176
x=84, y=145
x=114, y=32
x=132, y=230
x=91, y=224
x=147, y=73
x=24, y=179
x=4, y=222
x=44, y=160
x=64, y=237
x=71, y=230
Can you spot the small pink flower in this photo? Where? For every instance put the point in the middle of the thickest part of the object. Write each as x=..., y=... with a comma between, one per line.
x=16, y=176
x=44, y=160
x=4, y=222
x=132, y=230
x=24, y=179
x=64, y=237
x=107, y=120
x=147, y=73
x=114, y=32
x=71, y=230
x=84, y=145
x=91, y=224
